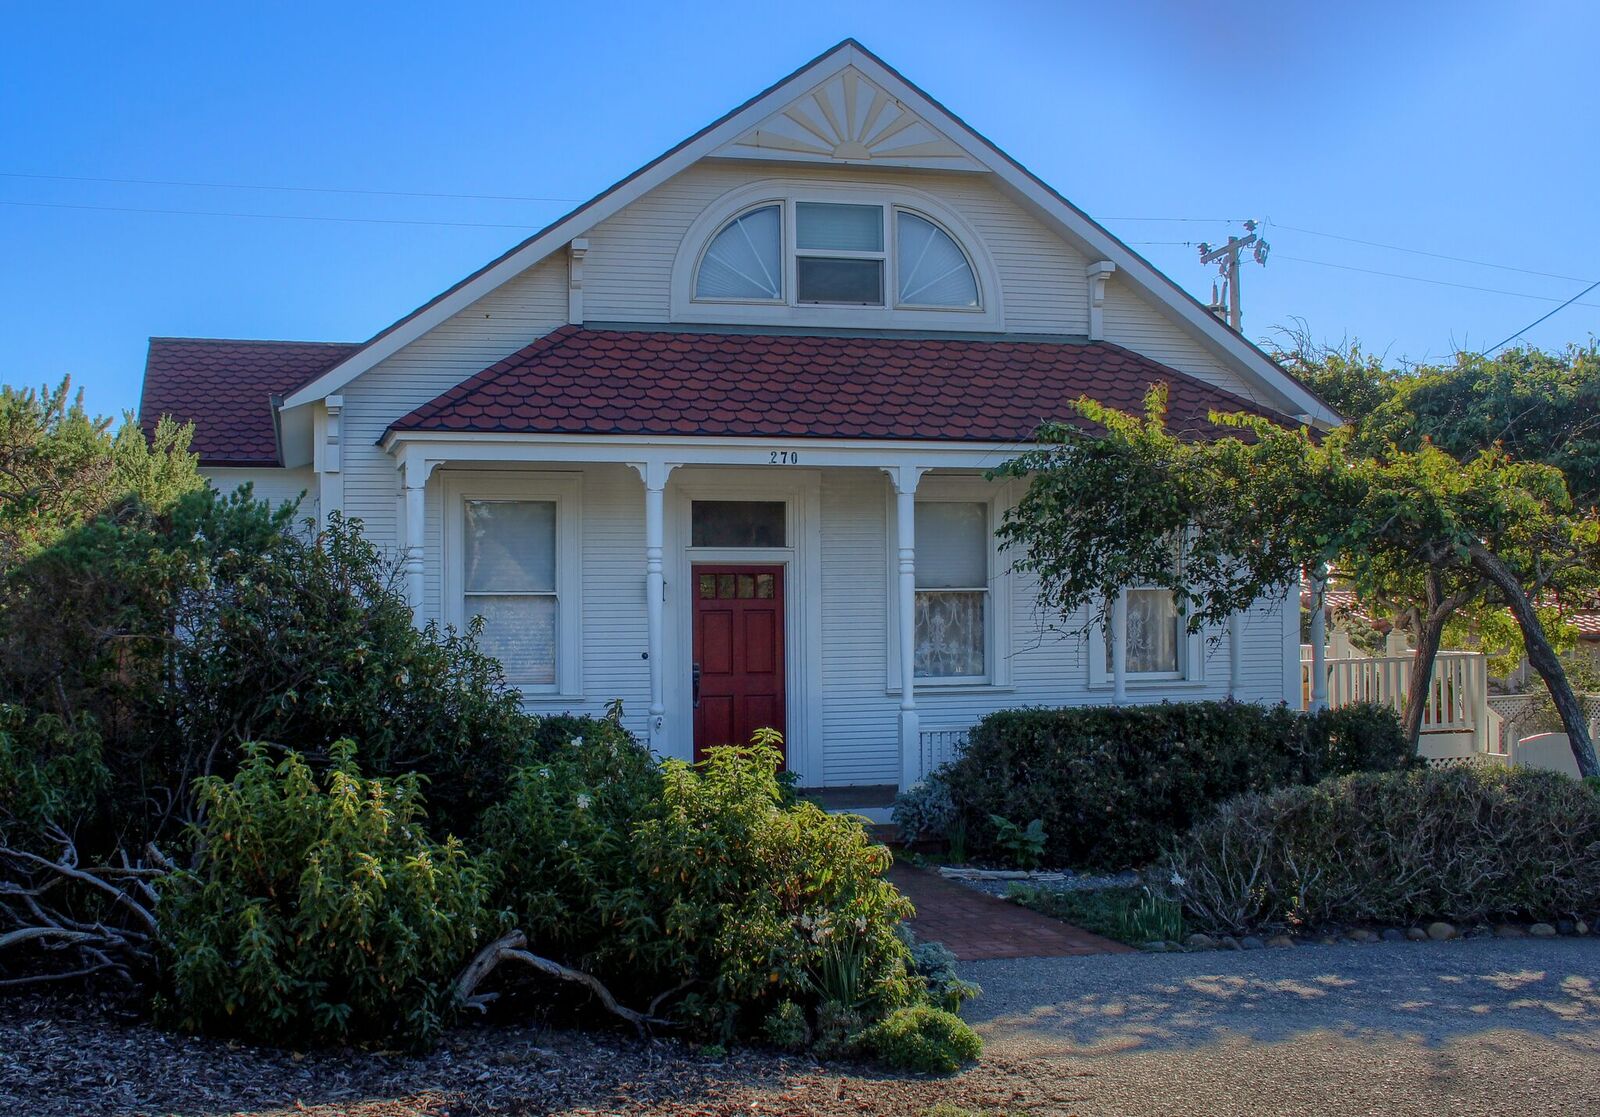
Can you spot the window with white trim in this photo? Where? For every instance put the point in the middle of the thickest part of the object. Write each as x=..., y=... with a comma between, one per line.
x=1158, y=646
x=952, y=589
x=512, y=558
x=510, y=581
x=807, y=252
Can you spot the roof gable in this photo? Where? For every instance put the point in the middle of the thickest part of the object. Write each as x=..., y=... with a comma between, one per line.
x=781, y=118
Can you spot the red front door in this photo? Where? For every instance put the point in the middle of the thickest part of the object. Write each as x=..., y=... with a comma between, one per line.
x=738, y=653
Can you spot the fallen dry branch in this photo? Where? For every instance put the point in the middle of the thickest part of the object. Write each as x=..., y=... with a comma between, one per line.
x=510, y=948
x=101, y=916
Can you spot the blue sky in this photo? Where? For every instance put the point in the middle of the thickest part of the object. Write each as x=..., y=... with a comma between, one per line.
x=1463, y=129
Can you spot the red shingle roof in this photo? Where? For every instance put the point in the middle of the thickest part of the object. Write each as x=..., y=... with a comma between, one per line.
x=226, y=387
x=578, y=380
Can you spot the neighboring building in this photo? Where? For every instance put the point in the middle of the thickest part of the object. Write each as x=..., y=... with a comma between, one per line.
x=714, y=442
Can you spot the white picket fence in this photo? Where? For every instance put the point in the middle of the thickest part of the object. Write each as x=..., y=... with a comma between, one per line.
x=1456, y=717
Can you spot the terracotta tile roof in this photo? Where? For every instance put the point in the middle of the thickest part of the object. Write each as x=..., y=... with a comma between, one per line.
x=226, y=387
x=673, y=382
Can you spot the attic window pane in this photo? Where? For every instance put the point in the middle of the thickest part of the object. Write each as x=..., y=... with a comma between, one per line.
x=737, y=523
x=933, y=269
x=830, y=227
x=823, y=279
x=744, y=260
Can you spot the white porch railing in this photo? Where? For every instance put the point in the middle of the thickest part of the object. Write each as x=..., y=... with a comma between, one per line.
x=1455, y=719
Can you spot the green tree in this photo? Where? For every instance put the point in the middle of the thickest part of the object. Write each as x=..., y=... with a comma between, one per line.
x=1222, y=522
x=61, y=467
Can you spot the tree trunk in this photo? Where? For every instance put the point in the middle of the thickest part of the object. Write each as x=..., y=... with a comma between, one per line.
x=1430, y=631
x=1541, y=655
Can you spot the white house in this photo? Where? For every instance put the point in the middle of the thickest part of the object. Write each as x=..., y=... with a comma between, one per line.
x=713, y=443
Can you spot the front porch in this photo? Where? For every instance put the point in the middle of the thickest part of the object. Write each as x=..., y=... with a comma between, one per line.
x=842, y=595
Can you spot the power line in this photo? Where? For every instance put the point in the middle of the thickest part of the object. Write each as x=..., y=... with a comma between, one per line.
x=1425, y=279
x=1536, y=321
x=289, y=189
x=1424, y=252
x=269, y=216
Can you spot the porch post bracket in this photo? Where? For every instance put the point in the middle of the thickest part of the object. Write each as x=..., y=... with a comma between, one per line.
x=905, y=478
x=655, y=474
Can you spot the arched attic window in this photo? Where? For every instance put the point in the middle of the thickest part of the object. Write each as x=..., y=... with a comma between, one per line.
x=744, y=261
x=812, y=253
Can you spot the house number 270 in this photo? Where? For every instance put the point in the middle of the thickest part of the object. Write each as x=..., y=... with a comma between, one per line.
x=783, y=457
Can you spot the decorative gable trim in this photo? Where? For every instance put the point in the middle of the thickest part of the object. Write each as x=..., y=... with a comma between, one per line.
x=1062, y=217
x=849, y=118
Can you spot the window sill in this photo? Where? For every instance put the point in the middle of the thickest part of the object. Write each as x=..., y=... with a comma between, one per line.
x=954, y=688
x=1151, y=684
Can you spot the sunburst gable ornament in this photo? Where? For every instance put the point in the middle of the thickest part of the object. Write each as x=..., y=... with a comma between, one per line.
x=848, y=118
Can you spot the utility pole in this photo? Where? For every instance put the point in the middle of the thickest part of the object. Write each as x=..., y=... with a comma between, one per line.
x=1226, y=258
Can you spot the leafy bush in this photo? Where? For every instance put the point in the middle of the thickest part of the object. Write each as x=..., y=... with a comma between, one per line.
x=1459, y=844
x=922, y=1038
x=319, y=911
x=925, y=810
x=936, y=963
x=1131, y=915
x=700, y=878
x=49, y=769
x=1112, y=785
x=1024, y=845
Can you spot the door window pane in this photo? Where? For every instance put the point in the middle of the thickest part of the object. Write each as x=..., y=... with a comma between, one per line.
x=823, y=279
x=511, y=546
x=737, y=523
x=744, y=260
x=839, y=228
x=952, y=544
x=950, y=634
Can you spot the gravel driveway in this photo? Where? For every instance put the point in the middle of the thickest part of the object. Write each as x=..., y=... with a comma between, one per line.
x=1485, y=1026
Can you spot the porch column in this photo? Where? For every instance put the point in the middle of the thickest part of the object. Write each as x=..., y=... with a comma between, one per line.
x=414, y=479
x=1235, y=653
x=1119, y=649
x=1319, y=638
x=905, y=480
x=655, y=484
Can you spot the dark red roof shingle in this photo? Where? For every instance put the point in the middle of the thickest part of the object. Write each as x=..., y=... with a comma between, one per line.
x=578, y=380
x=225, y=389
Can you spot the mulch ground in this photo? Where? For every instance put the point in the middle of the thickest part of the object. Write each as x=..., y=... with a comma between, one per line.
x=65, y=1056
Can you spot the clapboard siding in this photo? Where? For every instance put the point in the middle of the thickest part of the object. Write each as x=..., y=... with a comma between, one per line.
x=277, y=486
x=1133, y=320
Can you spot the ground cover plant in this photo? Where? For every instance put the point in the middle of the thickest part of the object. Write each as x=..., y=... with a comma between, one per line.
x=1110, y=786
x=1457, y=844
x=1133, y=915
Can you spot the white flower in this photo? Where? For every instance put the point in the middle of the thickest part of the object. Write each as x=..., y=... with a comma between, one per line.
x=583, y=802
x=1177, y=879
x=576, y=742
x=563, y=843
x=544, y=773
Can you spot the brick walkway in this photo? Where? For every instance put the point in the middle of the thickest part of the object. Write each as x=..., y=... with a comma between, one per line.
x=978, y=927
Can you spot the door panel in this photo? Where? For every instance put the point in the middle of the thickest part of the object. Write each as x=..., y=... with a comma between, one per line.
x=738, y=648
